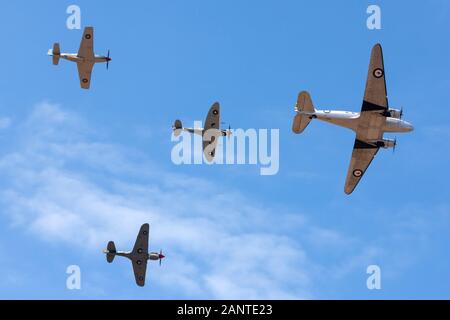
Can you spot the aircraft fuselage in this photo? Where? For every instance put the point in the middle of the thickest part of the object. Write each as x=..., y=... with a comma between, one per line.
x=128, y=254
x=350, y=120
x=75, y=58
x=201, y=131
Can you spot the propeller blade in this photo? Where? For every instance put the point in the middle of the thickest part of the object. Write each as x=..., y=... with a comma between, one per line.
x=107, y=60
x=161, y=256
x=229, y=132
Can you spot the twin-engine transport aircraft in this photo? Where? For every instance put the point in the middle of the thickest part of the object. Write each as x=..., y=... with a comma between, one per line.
x=370, y=124
x=209, y=133
x=85, y=58
x=138, y=256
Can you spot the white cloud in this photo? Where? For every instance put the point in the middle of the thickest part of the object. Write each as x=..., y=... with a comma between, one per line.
x=66, y=187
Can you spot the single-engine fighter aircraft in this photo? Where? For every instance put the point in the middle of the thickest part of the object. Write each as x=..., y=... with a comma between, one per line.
x=210, y=133
x=85, y=58
x=138, y=256
x=370, y=124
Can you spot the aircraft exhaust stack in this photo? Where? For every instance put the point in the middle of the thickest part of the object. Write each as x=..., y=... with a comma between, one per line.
x=177, y=126
x=305, y=112
x=110, y=252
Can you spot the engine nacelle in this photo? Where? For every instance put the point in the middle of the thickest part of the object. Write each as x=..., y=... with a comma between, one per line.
x=394, y=113
x=386, y=143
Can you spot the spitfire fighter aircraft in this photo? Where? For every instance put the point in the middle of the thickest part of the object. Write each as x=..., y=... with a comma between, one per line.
x=85, y=58
x=209, y=133
x=138, y=256
x=370, y=124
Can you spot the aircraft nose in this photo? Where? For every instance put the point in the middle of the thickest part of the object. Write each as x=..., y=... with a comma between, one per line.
x=409, y=127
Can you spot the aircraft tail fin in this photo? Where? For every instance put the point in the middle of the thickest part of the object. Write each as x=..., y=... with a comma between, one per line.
x=110, y=251
x=305, y=112
x=177, y=126
x=56, y=53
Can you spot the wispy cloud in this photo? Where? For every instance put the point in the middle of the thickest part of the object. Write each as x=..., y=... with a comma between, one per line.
x=66, y=187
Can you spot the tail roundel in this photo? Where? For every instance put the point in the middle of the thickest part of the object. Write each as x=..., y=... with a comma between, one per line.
x=305, y=112
x=110, y=252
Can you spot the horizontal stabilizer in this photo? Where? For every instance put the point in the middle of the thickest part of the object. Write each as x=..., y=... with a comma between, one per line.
x=56, y=52
x=177, y=126
x=55, y=60
x=56, y=49
x=304, y=103
x=305, y=112
x=111, y=252
x=300, y=123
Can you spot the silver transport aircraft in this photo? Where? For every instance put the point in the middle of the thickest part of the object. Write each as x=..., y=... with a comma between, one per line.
x=209, y=133
x=370, y=124
x=85, y=58
x=139, y=256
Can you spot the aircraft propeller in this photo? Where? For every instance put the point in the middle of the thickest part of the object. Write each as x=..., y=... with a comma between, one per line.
x=107, y=60
x=161, y=256
x=395, y=145
x=228, y=132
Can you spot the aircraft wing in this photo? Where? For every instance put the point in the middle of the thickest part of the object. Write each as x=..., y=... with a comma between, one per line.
x=362, y=156
x=141, y=244
x=375, y=95
x=84, y=73
x=211, y=132
x=140, y=255
x=86, y=49
x=140, y=269
x=371, y=122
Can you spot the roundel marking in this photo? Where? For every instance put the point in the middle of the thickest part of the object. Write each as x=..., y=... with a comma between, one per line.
x=85, y=80
x=215, y=112
x=141, y=278
x=139, y=262
x=378, y=73
x=140, y=250
x=88, y=36
x=357, y=173
x=144, y=233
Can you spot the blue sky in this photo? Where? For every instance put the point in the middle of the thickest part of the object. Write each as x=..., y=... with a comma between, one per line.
x=79, y=168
